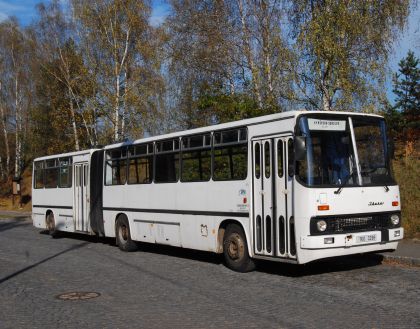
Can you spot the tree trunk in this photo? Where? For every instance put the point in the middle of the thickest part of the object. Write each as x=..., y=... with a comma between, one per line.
x=326, y=99
x=73, y=121
x=5, y=135
x=17, y=130
x=267, y=51
x=117, y=106
x=2, y=175
x=124, y=109
x=249, y=56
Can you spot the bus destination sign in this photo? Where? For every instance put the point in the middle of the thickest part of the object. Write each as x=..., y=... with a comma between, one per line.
x=319, y=124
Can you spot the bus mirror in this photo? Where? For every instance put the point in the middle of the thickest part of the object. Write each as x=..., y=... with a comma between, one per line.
x=300, y=148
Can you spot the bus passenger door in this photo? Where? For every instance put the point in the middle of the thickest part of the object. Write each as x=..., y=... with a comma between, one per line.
x=81, y=206
x=272, y=196
x=264, y=233
x=283, y=180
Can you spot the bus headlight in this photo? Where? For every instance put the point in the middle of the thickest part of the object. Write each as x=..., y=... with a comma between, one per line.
x=395, y=219
x=321, y=225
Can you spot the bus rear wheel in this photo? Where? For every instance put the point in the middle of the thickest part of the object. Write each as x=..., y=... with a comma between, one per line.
x=123, y=236
x=50, y=223
x=235, y=250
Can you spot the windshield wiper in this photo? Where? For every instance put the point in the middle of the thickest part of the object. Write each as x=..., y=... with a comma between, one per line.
x=344, y=183
x=371, y=170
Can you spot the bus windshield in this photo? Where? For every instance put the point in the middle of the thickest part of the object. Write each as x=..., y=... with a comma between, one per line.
x=333, y=146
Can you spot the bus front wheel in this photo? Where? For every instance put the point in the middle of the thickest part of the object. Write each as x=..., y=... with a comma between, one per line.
x=123, y=236
x=235, y=250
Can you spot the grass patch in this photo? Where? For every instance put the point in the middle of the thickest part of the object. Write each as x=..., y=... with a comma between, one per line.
x=407, y=174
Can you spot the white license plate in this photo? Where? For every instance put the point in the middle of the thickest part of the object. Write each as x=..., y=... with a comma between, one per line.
x=366, y=238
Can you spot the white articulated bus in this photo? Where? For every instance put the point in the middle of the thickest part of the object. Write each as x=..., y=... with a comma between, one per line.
x=289, y=187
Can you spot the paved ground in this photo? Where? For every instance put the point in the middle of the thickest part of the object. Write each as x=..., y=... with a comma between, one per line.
x=162, y=287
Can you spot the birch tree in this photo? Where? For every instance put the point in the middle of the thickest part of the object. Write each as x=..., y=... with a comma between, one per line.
x=4, y=111
x=55, y=36
x=237, y=44
x=14, y=78
x=342, y=49
x=120, y=47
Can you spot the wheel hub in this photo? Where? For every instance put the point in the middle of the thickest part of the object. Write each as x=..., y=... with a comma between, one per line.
x=124, y=232
x=235, y=247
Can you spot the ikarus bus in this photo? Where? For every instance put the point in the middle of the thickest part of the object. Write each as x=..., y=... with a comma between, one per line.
x=289, y=187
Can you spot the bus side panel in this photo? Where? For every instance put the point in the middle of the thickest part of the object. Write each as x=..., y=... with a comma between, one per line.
x=178, y=214
x=96, y=183
x=57, y=200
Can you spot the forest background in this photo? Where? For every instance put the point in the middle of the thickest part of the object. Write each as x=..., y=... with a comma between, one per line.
x=86, y=73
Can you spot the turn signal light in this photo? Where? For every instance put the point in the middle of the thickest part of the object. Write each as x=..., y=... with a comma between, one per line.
x=324, y=207
x=395, y=203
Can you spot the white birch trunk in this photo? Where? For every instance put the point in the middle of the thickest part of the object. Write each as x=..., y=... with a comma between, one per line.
x=73, y=121
x=117, y=106
x=249, y=56
x=17, y=130
x=267, y=50
x=5, y=135
x=326, y=100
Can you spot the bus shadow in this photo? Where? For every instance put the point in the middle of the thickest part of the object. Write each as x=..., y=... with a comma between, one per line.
x=27, y=268
x=197, y=255
x=14, y=222
x=329, y=265
x=81, y=237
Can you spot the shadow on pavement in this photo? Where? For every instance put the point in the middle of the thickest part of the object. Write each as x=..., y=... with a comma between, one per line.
x=197, y=255
x=329, y=265
x=27, y=268
x=15, y=222
x=81, y=237
x=338, y=264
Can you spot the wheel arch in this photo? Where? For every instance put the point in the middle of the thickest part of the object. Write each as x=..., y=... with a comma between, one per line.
x=120, y=215
x=47, y=213
x=221, y=232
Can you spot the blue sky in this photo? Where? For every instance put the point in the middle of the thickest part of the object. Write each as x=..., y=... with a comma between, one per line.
x=25, y=11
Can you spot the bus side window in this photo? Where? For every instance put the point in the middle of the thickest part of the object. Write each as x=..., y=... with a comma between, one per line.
x=196, y=158
x=230, y=155
x=116, y=166
x=65, y=172
x=140, y=167
x=167, y=161
x=51, y=173
x=39, y=174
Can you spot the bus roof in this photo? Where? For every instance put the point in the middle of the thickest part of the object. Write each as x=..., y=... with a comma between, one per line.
x=53, y=156
x=233, y=124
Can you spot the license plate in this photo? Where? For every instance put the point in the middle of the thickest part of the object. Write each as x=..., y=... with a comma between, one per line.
x=366, y=238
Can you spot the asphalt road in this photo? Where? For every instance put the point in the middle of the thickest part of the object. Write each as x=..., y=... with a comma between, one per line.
x=163, y=287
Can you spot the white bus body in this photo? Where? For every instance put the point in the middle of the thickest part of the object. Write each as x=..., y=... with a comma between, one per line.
x=301, y=186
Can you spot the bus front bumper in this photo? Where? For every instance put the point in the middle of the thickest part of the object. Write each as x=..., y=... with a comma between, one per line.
x=349, y=240
x=325, y=246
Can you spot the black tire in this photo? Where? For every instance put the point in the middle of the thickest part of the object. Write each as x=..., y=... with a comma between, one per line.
x=235, y=250
x=123, y=236
x=50, y=224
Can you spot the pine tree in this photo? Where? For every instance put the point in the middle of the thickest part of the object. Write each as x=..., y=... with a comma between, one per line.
x=407, y=85
x=407, y=90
